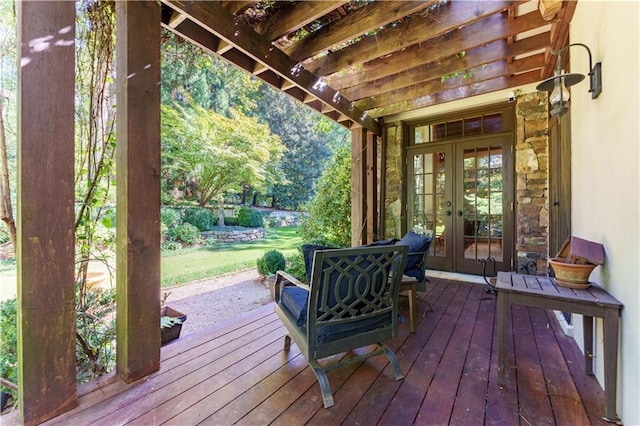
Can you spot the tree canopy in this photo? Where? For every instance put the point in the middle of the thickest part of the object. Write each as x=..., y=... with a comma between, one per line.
x=218, y=154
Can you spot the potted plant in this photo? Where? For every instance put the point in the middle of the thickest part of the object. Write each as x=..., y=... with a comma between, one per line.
x=270, y=263
x=170, y=322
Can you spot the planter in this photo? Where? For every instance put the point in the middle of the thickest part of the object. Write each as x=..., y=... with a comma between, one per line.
x=169, y=334
x=571, y=275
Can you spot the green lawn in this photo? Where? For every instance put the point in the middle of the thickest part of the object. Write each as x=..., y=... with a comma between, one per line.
x=183, y=266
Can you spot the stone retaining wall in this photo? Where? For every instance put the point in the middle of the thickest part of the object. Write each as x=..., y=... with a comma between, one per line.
x=237, y=236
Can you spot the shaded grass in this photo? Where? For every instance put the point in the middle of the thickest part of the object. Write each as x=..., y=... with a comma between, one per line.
x=183, y=266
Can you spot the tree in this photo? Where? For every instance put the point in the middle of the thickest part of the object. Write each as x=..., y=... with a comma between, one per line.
x=193, y=76
x=308, y=137
x=219, y=155
x=329, y=217
x=8, y=80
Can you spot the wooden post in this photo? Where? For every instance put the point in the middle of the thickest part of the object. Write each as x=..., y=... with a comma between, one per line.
x=45, y=250
x=138, y=188
x=371, y=203
x=358, y=186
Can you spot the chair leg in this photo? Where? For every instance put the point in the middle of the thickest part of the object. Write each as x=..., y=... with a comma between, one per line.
x=323, y=381
x=397, y=372
x=287, y=342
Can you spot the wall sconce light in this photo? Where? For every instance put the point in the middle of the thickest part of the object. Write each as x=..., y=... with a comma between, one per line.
x=558, y=84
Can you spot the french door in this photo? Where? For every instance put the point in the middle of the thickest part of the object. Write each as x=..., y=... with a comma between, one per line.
x=463, y=192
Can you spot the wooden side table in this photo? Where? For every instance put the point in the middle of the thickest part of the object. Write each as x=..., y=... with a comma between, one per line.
x=592, y=302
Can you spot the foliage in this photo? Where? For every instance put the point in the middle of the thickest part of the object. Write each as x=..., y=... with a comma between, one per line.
x=186, y=232
x=94, y=183
x=307, y=136
x=168, y=322
x=271, y=262
x=170, y=217
x=231, y=221
x=201, y=218
x=217, y=155
x=330, y=211
x=193, y=75
x=169, y=245
x=296, y=265
x=250, y=218
x=95, y=323
x=9, y=342
x=8, y=86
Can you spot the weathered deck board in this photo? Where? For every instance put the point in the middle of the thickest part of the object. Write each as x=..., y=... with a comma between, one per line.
x=238, y=373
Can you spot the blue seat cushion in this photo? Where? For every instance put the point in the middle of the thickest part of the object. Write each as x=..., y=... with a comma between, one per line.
x=295, y=300
x=417, y=244
x=417, y=273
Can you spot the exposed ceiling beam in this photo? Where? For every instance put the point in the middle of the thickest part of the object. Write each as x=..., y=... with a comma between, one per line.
x=296, y=16
x=457, y=93
x=408, y=33
x=477, y=75
x=490, y=29
x=218, y=22
x=473, y=57
x=355, y=24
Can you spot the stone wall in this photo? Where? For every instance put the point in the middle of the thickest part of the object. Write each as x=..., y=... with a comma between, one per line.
x=532, y=183
x=394, y=182
x=236, y=236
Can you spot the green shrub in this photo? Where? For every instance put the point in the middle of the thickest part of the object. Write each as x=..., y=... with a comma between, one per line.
x=170, y=245
x=199, y=217
x=9, y=342
x=231, y=221
x=296, y=266
x=170, y=217
x=250, y=218
x=272, y=261
x=187, y=233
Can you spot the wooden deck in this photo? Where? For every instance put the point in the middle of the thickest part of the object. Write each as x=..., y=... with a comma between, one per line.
x=238, y=373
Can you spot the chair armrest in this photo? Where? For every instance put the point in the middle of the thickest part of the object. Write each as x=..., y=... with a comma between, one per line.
x=283, y=279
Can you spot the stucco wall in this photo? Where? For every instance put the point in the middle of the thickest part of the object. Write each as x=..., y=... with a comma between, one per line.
x=605, y=178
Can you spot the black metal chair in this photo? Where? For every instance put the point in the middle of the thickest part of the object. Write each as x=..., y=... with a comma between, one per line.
x=351, y=301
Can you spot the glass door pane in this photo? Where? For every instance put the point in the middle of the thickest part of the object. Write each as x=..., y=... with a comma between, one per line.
x=483, y=204
x=431, y=206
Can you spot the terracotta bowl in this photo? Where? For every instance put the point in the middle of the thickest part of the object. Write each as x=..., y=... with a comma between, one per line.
x=570, y=274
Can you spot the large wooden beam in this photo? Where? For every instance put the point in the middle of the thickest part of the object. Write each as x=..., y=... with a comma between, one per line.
x=218, y=22
x=45, y=251
x=358, y=186
x=138, y=189
x=463, y=92
x=371, y=201
x=355, y=24
x=294, y=17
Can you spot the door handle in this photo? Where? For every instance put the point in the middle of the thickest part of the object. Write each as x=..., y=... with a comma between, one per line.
x=448, y=212
x=460, y=213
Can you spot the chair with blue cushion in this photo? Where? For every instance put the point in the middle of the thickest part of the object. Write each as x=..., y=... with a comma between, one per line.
x=416, y=267
x=351, y=301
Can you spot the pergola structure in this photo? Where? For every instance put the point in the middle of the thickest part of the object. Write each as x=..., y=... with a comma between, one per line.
x=356, y=62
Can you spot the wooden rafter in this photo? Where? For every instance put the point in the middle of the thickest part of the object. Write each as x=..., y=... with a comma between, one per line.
x=409, y=33
x=377, y=54
x=216, y=21
x=295, y=17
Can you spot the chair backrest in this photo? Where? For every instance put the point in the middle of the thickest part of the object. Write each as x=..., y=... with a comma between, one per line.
x=353, y=298
x=418, y=244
